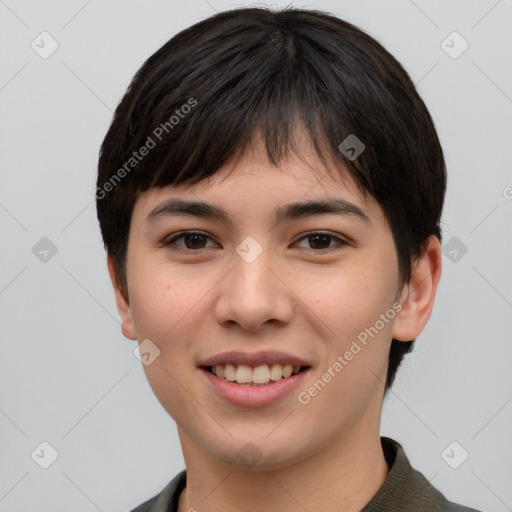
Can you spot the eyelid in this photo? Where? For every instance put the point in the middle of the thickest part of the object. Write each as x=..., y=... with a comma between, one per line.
x=319, y=232
x=342, y=241
x=171, y=239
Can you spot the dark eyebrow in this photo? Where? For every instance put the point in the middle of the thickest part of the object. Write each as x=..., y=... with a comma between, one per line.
x=319, y=207
x=286, y=212
x=192, y=208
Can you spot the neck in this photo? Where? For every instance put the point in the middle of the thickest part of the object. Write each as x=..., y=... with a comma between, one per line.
x=344, y=477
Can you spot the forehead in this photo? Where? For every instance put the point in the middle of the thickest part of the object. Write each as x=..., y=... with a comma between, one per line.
x=249, y=182
x=300, y=167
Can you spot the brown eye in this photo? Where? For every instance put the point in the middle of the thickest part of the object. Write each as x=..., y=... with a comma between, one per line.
x=194, y=241
x=321, y=241
x=191, y=240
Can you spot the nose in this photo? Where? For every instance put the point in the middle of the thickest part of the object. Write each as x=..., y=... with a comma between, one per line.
x=253, y=295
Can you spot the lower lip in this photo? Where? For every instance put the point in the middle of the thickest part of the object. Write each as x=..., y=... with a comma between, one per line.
x=254, y=396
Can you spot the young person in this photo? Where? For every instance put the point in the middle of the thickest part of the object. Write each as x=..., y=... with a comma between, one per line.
x=269, y=194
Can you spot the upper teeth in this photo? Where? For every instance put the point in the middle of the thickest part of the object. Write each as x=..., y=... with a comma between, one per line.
x=262, y=374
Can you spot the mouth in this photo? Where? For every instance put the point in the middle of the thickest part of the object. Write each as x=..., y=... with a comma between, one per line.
x=254, y=379
x=261, y=375
x=257, y=379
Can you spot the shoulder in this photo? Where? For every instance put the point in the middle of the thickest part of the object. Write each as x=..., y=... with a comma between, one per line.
x=406, y=489
x=455, y=507
x=147, y=506
x=167, y=499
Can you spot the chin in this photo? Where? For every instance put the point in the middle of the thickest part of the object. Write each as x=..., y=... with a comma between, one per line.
x=258, y=453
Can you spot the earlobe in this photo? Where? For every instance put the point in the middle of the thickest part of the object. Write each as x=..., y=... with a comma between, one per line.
x=122, y=302
x=418, y=294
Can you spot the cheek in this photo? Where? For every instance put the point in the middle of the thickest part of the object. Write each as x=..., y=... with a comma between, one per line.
x=350, y=298
x=163, y=310
x=162, y=299
x=355, y=302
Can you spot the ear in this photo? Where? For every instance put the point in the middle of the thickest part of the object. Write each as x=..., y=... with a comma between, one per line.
x=122, y=301
x=418, y=294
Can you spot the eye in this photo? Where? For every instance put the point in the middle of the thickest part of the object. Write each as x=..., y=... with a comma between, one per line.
x=196, y=241
x=320, y=241
x=192, y=240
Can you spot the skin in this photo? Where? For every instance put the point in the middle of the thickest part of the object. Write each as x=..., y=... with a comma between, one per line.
x=304, y=299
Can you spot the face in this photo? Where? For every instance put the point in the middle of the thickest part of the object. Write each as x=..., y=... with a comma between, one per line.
x=255, y=284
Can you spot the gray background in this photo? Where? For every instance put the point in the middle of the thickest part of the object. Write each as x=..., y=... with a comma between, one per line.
x=68, y=377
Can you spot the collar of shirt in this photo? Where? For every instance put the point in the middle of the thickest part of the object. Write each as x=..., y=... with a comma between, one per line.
x=404, y=490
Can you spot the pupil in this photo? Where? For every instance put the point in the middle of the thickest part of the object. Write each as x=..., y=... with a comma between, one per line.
x=196, y=238
x=325, y=238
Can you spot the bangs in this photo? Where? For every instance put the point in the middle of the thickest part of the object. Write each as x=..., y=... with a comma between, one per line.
x=288, y=104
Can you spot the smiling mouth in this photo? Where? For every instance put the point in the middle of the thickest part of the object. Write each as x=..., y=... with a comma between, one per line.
x=261, y=375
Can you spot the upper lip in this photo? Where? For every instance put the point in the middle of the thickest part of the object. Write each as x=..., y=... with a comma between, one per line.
x=253, y=359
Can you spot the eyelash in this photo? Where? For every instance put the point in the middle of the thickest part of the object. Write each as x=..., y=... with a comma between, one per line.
x=171, y=241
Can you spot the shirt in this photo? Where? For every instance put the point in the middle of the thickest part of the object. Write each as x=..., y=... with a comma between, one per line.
x=404, y=490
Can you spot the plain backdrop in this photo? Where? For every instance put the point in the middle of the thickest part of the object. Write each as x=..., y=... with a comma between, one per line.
x=68, y=377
